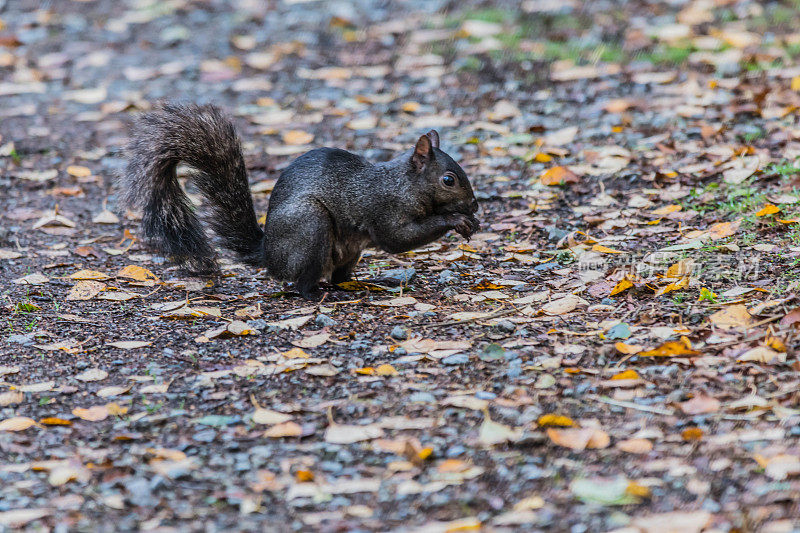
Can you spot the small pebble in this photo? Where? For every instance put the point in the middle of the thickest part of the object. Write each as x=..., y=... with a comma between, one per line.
x=324, y=321
x=399, y=333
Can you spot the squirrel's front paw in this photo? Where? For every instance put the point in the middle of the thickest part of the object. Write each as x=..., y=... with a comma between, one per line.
x=464, y=225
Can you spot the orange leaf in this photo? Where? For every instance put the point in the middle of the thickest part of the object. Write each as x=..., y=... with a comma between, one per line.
x=558, y=176
x=53, y=421
x=626, y=374
x=605, y=249
x=669, y=349
x=767, y=210
x=627, y=349
x=690, y=434
x=552, y=419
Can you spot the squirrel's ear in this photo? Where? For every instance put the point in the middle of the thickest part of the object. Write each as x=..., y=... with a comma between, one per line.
x=422, y=153
x=433, y=135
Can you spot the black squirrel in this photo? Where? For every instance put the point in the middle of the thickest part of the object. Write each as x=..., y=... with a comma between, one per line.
x=326, y=207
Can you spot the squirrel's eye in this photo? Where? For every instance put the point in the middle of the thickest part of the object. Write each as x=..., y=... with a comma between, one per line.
x=449, y=180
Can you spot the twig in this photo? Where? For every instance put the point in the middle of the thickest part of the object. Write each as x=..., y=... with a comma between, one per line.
x=631, y=405
x=496, y=314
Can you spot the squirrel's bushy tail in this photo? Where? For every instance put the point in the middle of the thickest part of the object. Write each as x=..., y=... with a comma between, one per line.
x=203, y=138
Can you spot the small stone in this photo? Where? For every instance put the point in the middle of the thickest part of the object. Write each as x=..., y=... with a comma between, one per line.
x=446, y=276
x=258, y=324
x=505, y=326
x=25, y=340
x=399, y=333
x=324, y=321
x=456, y=359
x=400, y=275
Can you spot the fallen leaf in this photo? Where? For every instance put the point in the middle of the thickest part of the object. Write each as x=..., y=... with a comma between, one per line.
x=17, y=423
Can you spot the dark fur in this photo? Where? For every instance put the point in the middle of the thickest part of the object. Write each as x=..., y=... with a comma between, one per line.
x=327, y=206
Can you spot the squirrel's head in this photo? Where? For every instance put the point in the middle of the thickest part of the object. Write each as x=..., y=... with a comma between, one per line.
x=440, y=178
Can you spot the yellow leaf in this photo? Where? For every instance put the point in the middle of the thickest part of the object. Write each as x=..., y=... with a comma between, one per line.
x=367, y=371
x=304, y=475
x=542, y=158
x=295, y=353
x=666, y=210
x=552, y=419
x=386, y=370
x=670, y=349
x=768, y=209
x=680, y=269
x=795, y=84
x=635, y=489
x=676, y=286
x=410, y=107
x=623, y=285
x=136, y=272
x=626, y=374
x=605, y=249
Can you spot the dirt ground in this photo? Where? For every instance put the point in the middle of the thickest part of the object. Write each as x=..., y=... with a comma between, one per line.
x=616, y=350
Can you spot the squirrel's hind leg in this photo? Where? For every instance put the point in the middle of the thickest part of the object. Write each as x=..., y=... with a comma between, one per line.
x=297, y=246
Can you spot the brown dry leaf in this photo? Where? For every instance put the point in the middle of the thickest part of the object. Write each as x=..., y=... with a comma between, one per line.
x=31, y=279
x=109, y=392
x=675, y=522
x=348, y=434
x=558, y=176
x=105, y=217
x=779, y=467
x=763, y=354
x=95, y=413
x=17, y=423
x=285, y=429
x=10, y=398
x=129, y=345
x=722, y=230
x=492, y=432
x=85, y=290
x=313, y=341
x=89, y=275
x=579, y=439
x=640, y=446
x=700, y=405
x=563, y=305
x=17, y=518
x=92, y=374
x=297, y=137
x=732, y=317
x=396, y=302
x=79, y=171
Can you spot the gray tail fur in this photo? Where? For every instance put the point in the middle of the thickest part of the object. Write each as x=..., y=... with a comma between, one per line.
x=203, y=138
